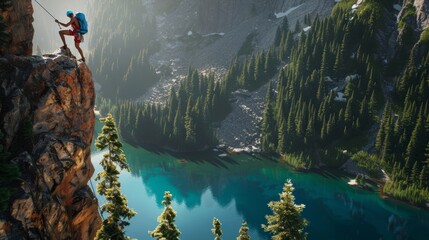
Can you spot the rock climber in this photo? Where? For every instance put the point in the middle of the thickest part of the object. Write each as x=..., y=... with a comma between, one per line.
x=72, y=32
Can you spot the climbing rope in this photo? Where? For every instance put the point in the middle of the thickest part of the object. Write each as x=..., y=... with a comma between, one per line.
x=47, y=11
x=93, y=190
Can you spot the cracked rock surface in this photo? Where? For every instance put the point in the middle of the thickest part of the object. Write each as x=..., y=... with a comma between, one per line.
x=56, y=96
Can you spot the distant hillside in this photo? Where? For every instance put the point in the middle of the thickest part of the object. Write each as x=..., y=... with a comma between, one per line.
x=177, y=34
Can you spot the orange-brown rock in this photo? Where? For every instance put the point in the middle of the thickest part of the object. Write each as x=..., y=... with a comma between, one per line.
x=55, y=94
x=19, y=21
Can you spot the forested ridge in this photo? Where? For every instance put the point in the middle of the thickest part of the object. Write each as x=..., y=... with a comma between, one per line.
x=329, y=89
x=182, y=123
x=332, y=88
x=308, y=119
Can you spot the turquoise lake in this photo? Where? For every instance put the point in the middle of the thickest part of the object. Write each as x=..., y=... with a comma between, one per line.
x=238, y=187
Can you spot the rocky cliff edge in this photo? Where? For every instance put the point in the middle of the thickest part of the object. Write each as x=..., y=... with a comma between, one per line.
x=55, y=95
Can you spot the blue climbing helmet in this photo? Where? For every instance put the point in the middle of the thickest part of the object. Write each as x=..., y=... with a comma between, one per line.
x=69, y=12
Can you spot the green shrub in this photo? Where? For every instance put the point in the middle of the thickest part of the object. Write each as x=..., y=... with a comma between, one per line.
x=368, y=162
x=407, y=192
x=299, y=161
x=424, y=37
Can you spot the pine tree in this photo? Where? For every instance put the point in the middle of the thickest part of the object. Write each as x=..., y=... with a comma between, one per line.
x=297, y=27
x=373, y=106
x=427, y=153
x=286, y=222
x=166, y=229
x=382, y=131
x=109, y=185
x=190, y=133
x=282, y=135
x=320, y=94
x=325, y=69
x=278, y=37
x=286, y=46
x=416, y=146
x=243, y=232
x=269, y=139
x=285, y=24
x=216, y=229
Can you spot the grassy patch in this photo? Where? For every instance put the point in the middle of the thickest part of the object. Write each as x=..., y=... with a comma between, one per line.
x=299, y=161
x=368, y=162
x=410, y=193
x=424, y=37
x=409, y=11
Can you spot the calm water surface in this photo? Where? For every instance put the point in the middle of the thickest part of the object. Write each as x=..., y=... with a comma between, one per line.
x=239, y=187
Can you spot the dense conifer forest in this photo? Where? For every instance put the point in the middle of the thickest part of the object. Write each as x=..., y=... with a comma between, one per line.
x=328, y=93
x=309, y=119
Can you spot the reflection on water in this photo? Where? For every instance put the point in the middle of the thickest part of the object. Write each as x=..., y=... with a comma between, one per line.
x=239, y=187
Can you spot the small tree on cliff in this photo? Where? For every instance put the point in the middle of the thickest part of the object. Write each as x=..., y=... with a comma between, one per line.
x=216, y=229
x=109, y=185
x=286, y=222
x=243, y=232
x=166, y=228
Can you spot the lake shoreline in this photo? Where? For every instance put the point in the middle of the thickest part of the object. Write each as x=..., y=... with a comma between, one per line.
x=343, y=171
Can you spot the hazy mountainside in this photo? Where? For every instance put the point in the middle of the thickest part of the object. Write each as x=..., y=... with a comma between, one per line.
x=121, y=43
x=177, y=34
x=46, y=127
x=219, y=28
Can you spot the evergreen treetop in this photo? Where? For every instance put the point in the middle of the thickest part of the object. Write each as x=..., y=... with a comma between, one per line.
x=109, y=186
x=286, y=222
x=166, y=229
x=243, y=232
x=216, y=230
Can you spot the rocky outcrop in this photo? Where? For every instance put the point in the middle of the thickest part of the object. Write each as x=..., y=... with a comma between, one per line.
x=412, y=21
x=19, y=21
x=422, y=13
x=52, y=199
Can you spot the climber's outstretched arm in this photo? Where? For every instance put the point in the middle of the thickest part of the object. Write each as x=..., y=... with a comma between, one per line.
x=64, y=24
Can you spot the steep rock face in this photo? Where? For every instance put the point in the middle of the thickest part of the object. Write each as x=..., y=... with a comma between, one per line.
x=412, y=22
x=19, y=22
x=422, y=12
x=419, y=20
x=56, y=95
